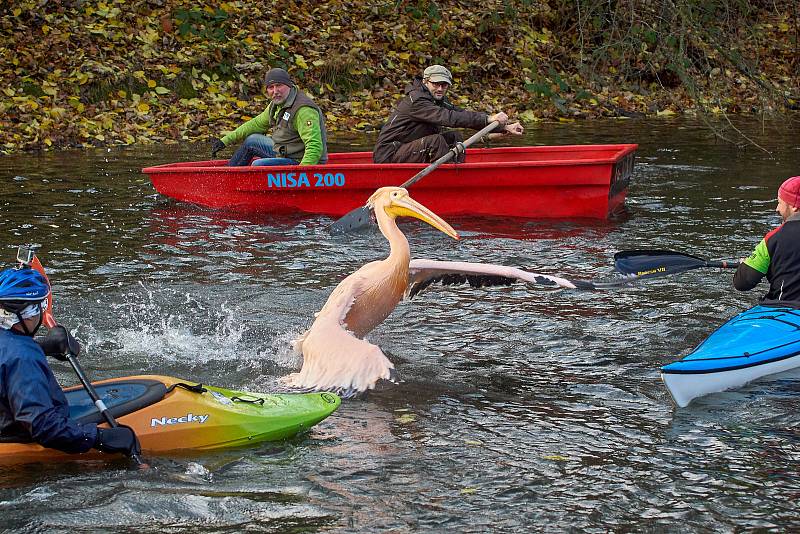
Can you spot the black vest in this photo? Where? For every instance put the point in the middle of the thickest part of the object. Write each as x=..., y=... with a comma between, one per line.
x=288, y=143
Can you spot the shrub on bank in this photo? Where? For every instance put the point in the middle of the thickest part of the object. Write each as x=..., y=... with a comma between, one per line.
x=88, y=73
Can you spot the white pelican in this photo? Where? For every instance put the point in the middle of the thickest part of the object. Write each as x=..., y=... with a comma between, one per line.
x=335, y=357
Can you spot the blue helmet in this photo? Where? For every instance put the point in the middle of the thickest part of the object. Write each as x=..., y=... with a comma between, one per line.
x=22, y=287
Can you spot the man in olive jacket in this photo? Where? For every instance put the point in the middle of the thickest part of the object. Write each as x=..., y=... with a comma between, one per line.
x=295, y=121
x=413, y=133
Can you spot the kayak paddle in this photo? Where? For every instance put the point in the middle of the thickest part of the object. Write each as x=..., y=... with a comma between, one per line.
x=27, y=257
x=360, y=218
x=654, y=263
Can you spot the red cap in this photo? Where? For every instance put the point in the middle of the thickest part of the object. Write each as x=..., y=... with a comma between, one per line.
x=789, y=191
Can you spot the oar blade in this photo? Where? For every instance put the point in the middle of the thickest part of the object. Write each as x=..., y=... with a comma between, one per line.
x=653, y=263
x=359, y=219
x=47, y=315
x=50, y=322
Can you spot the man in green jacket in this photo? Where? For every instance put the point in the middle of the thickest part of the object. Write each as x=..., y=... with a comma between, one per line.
x=296, y=124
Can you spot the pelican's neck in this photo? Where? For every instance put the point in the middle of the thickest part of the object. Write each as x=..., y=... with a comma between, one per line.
x=399, y=251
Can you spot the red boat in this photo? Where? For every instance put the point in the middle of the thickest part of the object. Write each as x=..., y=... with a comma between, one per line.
x=543, y=182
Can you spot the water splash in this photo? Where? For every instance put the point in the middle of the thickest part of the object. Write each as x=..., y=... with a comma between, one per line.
x=158, y=330
x=194, y=469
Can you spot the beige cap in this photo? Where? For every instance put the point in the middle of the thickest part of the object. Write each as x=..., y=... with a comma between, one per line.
x=437, y=73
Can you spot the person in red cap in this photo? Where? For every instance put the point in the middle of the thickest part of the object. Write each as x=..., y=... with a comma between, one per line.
x=413, y=132
x=777, y=256
x=296, y=125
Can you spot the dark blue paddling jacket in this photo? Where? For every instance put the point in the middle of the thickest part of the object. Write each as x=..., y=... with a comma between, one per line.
x=32, y=404
x=777, y=257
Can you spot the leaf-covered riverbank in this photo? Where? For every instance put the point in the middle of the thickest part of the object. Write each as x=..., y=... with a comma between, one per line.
x=88, y=73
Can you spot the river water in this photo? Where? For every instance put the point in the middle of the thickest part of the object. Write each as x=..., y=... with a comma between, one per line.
x=521, y=409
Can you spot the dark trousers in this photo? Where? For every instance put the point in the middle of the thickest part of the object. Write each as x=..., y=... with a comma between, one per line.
x=428, y=149
x=258, y=146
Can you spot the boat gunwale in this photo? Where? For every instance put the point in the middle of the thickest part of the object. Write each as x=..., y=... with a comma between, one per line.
x=742, y=316
x=622, y=151
x=666, y=370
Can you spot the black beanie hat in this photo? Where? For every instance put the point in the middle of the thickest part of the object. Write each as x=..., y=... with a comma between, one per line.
x=277, y=75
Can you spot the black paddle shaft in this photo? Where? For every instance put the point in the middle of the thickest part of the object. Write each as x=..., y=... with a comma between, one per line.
x=98, y=402
x=362, y=217
x=50, y=322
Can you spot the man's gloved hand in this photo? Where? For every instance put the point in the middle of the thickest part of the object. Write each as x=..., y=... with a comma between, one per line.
x=216, y=146
x=58, y=342
x=120, y=439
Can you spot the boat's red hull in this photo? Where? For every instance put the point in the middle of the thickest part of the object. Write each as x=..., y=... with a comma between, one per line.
x=533, y=182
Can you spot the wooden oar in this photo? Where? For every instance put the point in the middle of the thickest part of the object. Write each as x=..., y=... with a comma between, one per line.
x=361, y=217
x=50, y=322
x=655, y=263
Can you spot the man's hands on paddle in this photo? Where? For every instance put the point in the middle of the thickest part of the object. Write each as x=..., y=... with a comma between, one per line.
x=500, y=117
x=118, y=439
x=514, y=128
x=58, y=342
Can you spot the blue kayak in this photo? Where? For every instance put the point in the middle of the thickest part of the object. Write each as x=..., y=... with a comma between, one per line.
x=761, y=341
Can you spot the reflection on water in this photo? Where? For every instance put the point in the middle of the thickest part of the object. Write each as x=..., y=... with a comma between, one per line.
x=519, y=408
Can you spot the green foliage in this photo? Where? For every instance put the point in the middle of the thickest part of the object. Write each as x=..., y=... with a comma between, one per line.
x=30, y=88
x=424, y=9
x=200, y=23
x=183, y=86
x=124, y=71
x=343, y=77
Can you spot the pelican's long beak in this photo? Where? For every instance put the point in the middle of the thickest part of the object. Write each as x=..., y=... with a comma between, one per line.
x=405, y=206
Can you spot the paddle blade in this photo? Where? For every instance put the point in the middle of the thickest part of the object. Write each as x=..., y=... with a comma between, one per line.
x=359, y=219
x=48, y=319
x=652, y=263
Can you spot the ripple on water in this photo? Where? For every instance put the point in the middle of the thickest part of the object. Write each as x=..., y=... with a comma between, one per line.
x=520, y=409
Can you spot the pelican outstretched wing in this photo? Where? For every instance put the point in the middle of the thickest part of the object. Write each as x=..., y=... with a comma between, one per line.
x=423, y=272
x=333, y=358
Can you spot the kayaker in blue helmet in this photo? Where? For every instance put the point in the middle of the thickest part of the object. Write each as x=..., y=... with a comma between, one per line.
x=32, y=405
x=295, y=123
x=777, y=256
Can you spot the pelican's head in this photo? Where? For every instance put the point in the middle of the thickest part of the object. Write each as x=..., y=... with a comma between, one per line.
x=395, y=202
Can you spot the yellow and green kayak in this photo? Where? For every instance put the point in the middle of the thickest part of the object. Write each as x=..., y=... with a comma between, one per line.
x=170, y=415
